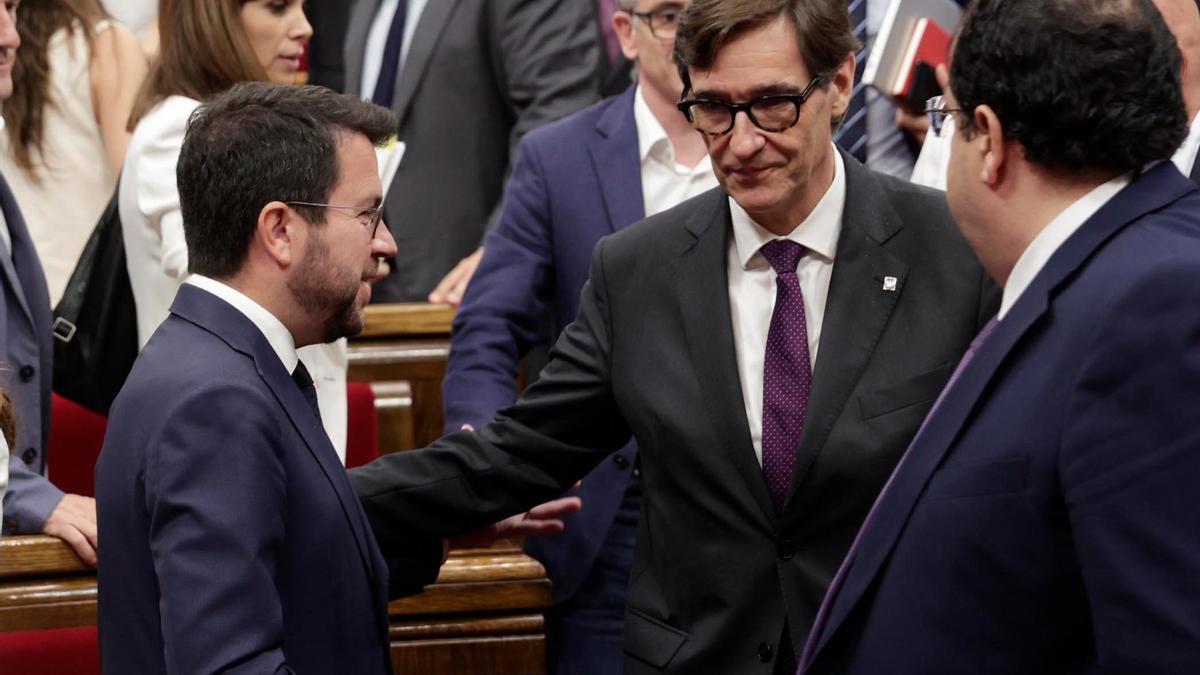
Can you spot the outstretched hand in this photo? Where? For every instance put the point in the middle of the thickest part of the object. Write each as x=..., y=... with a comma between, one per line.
x=543, y=519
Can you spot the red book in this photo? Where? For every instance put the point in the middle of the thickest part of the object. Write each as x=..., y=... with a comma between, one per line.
x=927, y=44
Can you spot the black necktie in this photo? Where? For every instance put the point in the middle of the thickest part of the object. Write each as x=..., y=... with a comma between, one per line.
x=385, y=86
x=305, y=382
x=1195, y=175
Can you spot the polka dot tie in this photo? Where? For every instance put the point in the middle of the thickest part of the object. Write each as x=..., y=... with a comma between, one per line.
x=787, y=372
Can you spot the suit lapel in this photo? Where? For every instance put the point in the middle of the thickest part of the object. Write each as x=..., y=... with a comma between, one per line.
x=220, y=318
x=856, y=312
x=615, y=162
x=361, y=18
x=23, y=283
x=430, y=25
x=1156, y=189
x=703, y=291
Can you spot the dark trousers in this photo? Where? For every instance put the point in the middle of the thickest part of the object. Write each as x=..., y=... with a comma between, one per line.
x=583, y=633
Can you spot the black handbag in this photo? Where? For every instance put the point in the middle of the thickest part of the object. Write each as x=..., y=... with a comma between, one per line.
x=95, y=323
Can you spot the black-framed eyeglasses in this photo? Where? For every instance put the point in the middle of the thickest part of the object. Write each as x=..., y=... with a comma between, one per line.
x=661, y=20
x=774, y=112
x=938, y=113
x=370, y=217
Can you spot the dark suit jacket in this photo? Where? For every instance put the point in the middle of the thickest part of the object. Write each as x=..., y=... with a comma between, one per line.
x=479, y=74
x=232, y=540
x=327, y=48
x=651, y=354
x=26, y=373
x=576, y=180
x=1046, y=519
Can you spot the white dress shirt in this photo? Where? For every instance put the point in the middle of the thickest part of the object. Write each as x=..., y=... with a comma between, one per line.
x=377, y=39
x=752, y=287
x=665, y=182
x=157, y=257
x=277, y=334
x=934, y=160
x=1043, y=246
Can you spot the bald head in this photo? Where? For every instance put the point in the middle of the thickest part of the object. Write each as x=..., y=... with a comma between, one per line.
x=1183, y=18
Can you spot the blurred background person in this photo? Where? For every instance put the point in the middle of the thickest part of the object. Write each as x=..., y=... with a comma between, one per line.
x=575, y=181
x=206, y=47
x=32, y=505
x=468, y=78
x=65, y=124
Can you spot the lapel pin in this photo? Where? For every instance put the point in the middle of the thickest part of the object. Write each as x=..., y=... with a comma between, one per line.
x=889, y=284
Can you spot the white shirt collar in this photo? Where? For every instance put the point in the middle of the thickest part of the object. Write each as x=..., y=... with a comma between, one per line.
x=818, y=233
x=1043, y=246
x=653, y=142
x=279, y=337
x=1185, y=157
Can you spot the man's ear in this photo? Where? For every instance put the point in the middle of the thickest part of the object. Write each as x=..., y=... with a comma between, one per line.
x=991, y=145
x=276, y=234
x=623, y=24
x=841, y=86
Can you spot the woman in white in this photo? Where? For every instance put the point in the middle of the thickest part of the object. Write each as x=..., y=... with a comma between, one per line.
x=206, y=46
x=66, y=124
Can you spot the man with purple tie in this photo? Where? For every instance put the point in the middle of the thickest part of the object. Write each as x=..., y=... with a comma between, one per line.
x=771, y=345
x=1044, y=518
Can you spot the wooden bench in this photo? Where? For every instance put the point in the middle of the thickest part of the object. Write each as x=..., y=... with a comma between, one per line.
x=483, y=615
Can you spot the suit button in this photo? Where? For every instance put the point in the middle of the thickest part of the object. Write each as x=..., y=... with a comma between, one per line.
x=786, y=548
x=620, y=461
x=28, y=456
x=26, y=373
x=765, y=652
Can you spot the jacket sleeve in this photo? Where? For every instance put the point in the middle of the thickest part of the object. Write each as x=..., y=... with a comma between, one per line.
x=563, y=425
x=503, y=310
x=1129, y=462
x=215, y=492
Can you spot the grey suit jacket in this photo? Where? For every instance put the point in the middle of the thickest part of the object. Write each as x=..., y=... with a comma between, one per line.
x=478, y=75
x=651, y=354
x=25, y=374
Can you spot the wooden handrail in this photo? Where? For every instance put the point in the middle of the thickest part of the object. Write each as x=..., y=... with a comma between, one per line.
x=407, y=319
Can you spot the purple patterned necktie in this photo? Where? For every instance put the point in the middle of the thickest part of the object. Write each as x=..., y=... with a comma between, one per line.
x=787, y=371
x=831, y=594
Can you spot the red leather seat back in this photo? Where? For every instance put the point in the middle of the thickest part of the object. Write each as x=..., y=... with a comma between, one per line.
x=362, y=427
x=76, y=436
x=72, y=651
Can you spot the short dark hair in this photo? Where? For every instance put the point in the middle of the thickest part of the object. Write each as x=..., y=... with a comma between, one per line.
x=822, y=28
x=1082, y=85
x=257, y=143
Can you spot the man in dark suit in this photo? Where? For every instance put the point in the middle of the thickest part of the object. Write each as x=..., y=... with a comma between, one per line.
x=233, y=540
x=32, y=505
x=575, y=181
x=681, y=342
x=467, y=78
x=1044, y=520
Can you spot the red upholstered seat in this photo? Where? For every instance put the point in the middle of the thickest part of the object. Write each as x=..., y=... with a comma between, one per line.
x=76, y=435
x=362, y=427
x=72, y=651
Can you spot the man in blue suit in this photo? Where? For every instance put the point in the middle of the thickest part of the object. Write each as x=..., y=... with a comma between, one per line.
x=577, y=180
x=233, y=542
x=1045, y=518
x=32, y=505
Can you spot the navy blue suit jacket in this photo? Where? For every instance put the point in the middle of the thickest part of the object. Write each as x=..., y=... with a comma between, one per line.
x=232, y=540
x=576, y=180
x=25, y=373
x=1047, y=518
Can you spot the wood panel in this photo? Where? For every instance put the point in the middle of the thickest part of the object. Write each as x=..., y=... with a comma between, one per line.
x=483, y=614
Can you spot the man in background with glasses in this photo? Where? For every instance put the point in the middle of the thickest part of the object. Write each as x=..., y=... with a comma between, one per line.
x=577, y=180
x=1045, y=518
x=772, y=346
